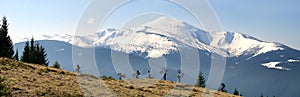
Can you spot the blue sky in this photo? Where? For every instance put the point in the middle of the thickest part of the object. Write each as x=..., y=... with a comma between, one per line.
x=269, y=20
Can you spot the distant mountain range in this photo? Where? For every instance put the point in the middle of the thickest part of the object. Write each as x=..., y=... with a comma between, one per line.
x=253, y=66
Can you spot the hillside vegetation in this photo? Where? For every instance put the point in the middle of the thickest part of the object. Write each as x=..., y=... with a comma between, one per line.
x=26, y=79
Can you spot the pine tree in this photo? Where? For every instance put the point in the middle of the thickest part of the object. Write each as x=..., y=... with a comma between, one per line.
x=43, y=56
x=201, y=80
x=236, y=92
x=26, y=53
x=6, y=45
x=34, y=53
x=37, y=53
x=16, y=56
x=56, y=65
x=261, y=95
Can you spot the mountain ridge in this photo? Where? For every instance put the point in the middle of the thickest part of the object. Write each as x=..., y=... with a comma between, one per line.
x=170, y=33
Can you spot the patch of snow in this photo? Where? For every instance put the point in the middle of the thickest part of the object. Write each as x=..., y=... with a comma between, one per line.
x=267, y=47
x=207, y=54
x=293, y=61
x=281, y=56
x=249, y=58
x=273, y=65
x=155, y=53
x=61, y=49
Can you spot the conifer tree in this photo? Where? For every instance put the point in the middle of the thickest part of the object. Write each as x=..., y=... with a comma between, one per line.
x=6, y=45
x=261, y=95
x=26, y=53
x=43, y=56
x=236, y=92
x=201, y=80
x=34, y=53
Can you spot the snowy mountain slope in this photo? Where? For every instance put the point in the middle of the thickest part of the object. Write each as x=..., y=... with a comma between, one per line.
x=237, y=44
x=156, y=41
x=165, y=35
x=82, y=41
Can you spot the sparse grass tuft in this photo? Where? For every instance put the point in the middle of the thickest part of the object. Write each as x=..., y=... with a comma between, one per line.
x=4, y=90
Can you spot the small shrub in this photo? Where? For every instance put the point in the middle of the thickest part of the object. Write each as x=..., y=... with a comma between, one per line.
x=56, y=65
x=61, y=72
x=195, y=90
x=131, y=87
x=107, y=78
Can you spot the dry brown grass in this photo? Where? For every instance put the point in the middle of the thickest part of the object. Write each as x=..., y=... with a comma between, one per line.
x=35, y=80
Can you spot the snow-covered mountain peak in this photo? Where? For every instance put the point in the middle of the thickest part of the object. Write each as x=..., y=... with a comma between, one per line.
x=169, y=24
x=173, y=28
x=158, y=37
x=164, y=35
x=237, y=44
x=164, y=22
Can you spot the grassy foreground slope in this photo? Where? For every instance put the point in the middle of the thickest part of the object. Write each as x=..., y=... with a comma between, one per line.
x=26, y=79
x=35, y=80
